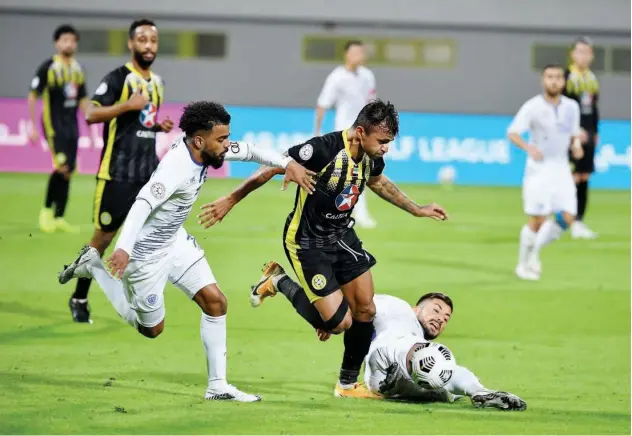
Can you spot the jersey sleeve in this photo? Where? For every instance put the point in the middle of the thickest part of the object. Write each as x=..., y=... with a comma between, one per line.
x=377, y=168
x=245, y=152
x=314, y=154
x=329, y=93
x=81, y=92
x=40, y=80
x=522, y=120
x=109, y=90
x=164, y=182
x=576, y=126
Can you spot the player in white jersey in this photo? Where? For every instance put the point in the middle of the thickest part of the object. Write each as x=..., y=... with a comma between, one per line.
x=154, y=248
x=398, y=328
x=348, y=88
x=548, y=188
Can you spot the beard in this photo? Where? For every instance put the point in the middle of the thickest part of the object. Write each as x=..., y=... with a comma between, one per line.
x=68, y=53
x=144, y=63
x=212, y=160
x=553, y=92
x=427, y=333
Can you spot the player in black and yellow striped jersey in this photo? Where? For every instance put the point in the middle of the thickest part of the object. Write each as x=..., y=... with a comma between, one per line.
x=582, y=86
x=327, y=256
x=127, y=101
x=61, y=83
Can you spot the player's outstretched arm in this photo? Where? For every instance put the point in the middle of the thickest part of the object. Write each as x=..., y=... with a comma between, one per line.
x=215, y=212
x=387, y=190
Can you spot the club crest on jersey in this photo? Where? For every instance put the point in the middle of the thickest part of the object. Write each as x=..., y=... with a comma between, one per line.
x=148, y=115
x=70, y=90
x=306, y=152
x=347, y=198
x=158, y=190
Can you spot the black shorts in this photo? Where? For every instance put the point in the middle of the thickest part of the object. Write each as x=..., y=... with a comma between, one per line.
x=63, y=150
x=112, y=202
x=322, y=271
x=587, y=163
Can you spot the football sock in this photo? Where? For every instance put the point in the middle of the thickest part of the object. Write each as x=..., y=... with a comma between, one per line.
x=527, y=240
x=357, y=341
x=301, y=303
x=213, y=333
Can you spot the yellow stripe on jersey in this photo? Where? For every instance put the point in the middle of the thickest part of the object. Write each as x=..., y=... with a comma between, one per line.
x=104, y=168
x=292, y=246
x=98, y=197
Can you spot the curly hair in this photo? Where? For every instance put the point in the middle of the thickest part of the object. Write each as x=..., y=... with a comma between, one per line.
x=203, y=115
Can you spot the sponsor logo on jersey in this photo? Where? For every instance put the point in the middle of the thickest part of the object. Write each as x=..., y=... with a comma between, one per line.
x=148, y=115
x=347, y=198
x=148, y=134
x=336, y=216
x=71, y=91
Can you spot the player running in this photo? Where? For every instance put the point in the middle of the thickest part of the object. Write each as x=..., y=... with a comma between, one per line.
x=398, y=329
x=328, y=258
x=154, y=248
x=548, y=187
x=61, y=83
x=127, y=101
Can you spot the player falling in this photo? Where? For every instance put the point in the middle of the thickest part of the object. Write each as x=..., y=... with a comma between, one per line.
x=328, y=258
x=61, y=82
x=548, y=189
x=154, y=248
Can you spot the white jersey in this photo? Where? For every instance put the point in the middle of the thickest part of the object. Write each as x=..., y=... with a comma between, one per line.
x=171, y=192
x=348, y=92
x=550, y=127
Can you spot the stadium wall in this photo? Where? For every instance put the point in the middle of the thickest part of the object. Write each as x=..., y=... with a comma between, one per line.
x=473, y=147
x=490, y=71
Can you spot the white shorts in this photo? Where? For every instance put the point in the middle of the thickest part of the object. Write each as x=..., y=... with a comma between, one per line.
x=548, y=188
x=182, y=264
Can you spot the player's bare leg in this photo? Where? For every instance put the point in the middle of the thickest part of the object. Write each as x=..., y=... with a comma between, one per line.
x=213, y=331
x=78, y=302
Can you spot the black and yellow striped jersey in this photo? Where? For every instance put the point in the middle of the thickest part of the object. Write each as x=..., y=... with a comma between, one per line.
x=323, y=218
x=583, y=87
x=62, y=85
x=129, y=141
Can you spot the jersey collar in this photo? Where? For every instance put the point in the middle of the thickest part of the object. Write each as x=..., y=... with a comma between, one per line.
x=130, y=66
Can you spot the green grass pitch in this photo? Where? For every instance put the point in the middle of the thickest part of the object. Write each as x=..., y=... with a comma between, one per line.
x=563, y=344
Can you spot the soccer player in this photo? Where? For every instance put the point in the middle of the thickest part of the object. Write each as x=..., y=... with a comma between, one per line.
x=348, y=88
x=583, y=87
x=328, y=258
x=127, y=101
x=61, y=83
x=547, y=188
x=154, y=248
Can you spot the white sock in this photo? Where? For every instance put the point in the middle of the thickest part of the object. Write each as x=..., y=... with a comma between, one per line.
x=549, y=232
x=527, y=241
x=213, y=332
x=464, y=382
x=361, y=208
x=114, y=292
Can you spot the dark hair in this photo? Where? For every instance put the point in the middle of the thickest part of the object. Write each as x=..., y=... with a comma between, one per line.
x=203, y=115
x=63, y=29
x=138, y=23
x=583, y=40
x=351, y=43
x=553, y=66
x=377, y=113
x=436, y=295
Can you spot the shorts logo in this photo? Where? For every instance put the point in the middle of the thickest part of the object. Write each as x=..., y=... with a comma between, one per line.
x=60, y=158
x=306, y=152
x=148, y=115
x=319, y=282
x=102, y=89
x=347, y=198
x=158, y=190
x=152, y=299
x=106, y=218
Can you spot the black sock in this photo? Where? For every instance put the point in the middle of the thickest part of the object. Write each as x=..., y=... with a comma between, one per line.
x=357, y=342
x=63, y=186
x=81, y=291
x=52, y=189
x=299, y=300
x=582, y=199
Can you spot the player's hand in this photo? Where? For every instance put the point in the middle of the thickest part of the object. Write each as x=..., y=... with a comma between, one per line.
x=299, y=175
x=433, y=211
x=534, y=152
x=166, y=125
x=577, y=152
x=118, y=262
x=388, y=384
x=137, y=101
x=323, y=335
x=583, y=136
x=213, y=213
